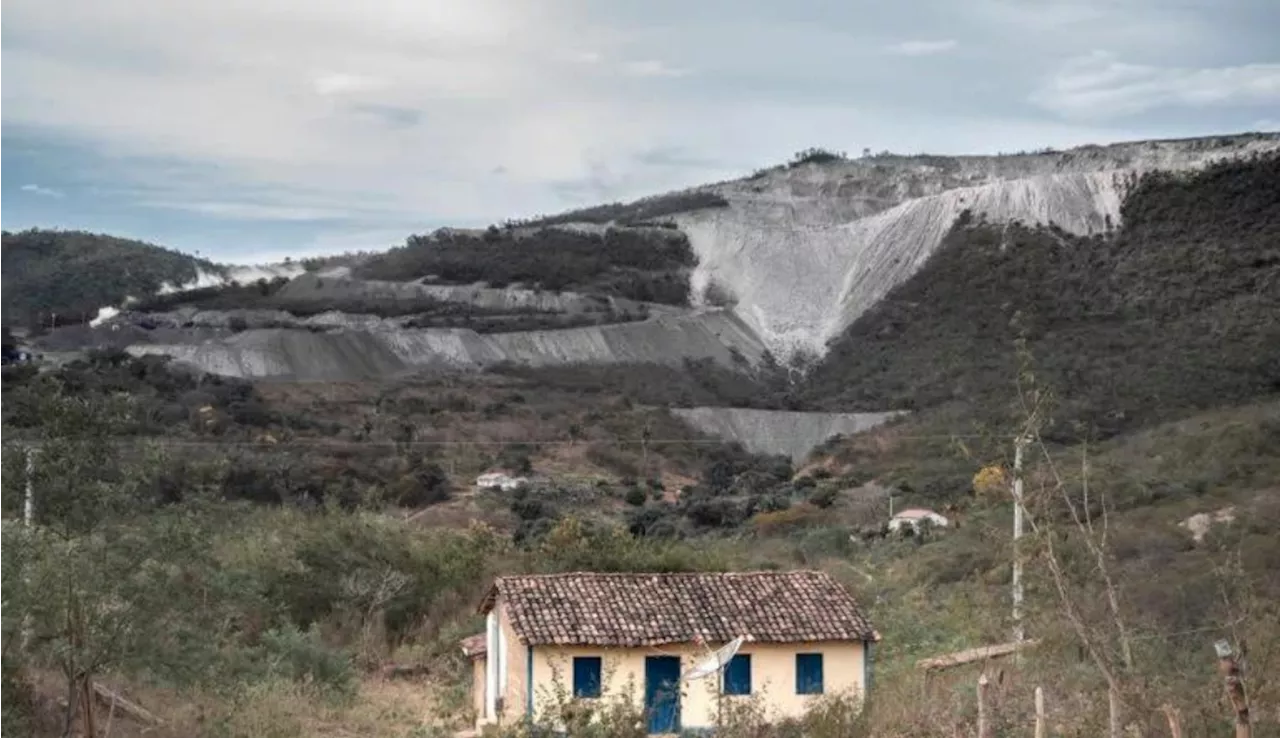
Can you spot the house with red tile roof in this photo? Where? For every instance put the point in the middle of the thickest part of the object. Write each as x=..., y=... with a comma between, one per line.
x=591, y=635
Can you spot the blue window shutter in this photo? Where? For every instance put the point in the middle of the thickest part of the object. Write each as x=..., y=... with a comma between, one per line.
x=737, y=675
x=808, y=673
x=586, y=676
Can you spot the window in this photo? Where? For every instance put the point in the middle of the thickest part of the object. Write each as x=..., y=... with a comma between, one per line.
x=808, y=673
x=586, y=676
x=737, y=675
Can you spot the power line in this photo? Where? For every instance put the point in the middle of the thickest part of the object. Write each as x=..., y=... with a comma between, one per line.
x=330, y=442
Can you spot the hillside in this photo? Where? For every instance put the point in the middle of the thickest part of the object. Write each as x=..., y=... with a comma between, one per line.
x=272, y=523
x=1170, y=313
x=74, y=273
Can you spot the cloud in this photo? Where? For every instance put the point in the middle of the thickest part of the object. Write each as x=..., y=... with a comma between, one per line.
x=652, y=68
x=250, y=210
x=241, y=122
x=36, y=189
x=1101, y=85
x=583, y=57
x=924, y=48
x=342, y=83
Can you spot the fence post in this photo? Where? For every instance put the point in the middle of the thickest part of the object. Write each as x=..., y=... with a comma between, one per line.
x=1040, y=722
x=983, y=728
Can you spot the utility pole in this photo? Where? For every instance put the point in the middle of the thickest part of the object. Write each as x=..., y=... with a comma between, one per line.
x=28, y=519
x=29, y=499
x=1018, y=633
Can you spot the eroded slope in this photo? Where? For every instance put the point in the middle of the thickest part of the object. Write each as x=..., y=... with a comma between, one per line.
x=804, y=251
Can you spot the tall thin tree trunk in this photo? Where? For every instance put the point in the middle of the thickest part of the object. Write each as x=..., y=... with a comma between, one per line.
x=73, y=695
x=86, y=687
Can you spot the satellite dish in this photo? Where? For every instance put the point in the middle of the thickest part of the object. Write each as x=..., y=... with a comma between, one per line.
x=714, y=662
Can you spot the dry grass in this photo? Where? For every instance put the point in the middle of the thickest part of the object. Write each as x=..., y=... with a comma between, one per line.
x=275, y=709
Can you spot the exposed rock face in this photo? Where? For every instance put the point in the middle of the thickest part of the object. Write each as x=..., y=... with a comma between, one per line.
x=372, y=352
x=792, y=434
x=805, y=251
x=799, y=253
x=1200, y=524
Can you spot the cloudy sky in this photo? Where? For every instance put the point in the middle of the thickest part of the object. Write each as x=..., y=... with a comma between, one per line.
x=252, y=129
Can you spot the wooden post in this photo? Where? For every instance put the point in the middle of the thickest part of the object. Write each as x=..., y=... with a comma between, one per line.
x=1113, y=712
x=1233, y=682
x=983, y=729
x=1018, y=633
x=1175, y=721
x=1040, y=721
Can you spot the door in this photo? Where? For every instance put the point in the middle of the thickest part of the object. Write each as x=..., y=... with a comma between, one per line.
x=662, y=693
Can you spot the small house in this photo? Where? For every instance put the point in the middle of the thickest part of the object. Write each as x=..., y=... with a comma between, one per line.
x=500, y=479
x=632, y=636
x=916, y=518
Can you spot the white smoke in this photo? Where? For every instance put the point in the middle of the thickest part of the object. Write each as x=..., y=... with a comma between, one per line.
x=234, y=275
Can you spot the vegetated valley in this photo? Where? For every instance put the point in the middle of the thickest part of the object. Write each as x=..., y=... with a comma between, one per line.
x=247, y=558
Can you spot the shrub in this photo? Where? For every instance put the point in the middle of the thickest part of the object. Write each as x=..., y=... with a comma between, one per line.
x=778, y=521
x=636, y=496
x=303, y=657
x=824, y=497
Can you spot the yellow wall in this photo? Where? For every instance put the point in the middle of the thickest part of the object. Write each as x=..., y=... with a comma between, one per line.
x=773, y=677
x=515, y=697
x=477, y=686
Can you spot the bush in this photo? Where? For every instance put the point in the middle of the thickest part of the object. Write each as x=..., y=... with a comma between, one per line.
x=303, y=657
x=824, y=497
x=636, y=496
x=428, y=484
x=19, y=705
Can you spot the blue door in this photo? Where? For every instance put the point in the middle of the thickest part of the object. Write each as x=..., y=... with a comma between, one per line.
x=662, y=693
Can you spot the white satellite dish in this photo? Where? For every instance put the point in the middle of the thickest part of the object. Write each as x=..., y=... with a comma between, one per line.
x=714, y=662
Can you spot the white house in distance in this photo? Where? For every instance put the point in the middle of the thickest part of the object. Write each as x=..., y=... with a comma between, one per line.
x=916, y=517
x=500, y=479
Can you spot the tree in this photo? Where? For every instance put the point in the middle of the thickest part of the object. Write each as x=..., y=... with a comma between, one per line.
x=104, y=577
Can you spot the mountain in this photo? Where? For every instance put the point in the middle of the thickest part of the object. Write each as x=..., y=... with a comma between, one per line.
x=874, y=285
x=74, y=273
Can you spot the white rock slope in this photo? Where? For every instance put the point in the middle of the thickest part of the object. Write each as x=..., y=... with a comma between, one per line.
x=805, y=251
x=371, y=353
x=791, y=434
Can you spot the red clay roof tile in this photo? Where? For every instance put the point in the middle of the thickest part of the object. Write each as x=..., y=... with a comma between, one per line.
x=653, y=609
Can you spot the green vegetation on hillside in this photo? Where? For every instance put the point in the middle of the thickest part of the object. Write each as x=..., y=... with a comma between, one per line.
x=275, y=620
x=649, y=265
x=73, y=273
x=1174, y=312
x=421, y=311
x=638, y=212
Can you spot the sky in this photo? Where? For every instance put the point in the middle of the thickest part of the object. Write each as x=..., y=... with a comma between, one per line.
x=250, y=130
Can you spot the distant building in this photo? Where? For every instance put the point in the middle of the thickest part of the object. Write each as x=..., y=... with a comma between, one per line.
x=916, y=517
x=501, y=479
x=633, y=636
